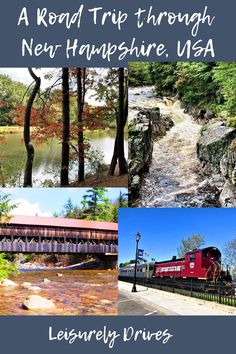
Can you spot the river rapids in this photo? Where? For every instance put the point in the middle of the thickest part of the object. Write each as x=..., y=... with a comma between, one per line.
x=174, y=178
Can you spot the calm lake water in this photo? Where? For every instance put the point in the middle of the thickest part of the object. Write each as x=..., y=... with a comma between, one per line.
x=47, y=157
x=77, y=292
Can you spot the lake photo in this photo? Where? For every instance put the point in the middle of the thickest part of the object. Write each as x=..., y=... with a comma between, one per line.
x=46, y=168
x=62, y=127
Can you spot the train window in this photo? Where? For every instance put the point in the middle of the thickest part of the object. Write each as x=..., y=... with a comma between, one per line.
x=192, y=258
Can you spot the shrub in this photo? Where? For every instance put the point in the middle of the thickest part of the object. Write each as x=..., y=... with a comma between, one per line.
x=231, y=122
x=6, y=268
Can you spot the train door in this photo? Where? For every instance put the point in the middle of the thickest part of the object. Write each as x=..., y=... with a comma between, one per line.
x=192, y=262
x=150, y=271
x=190, y=265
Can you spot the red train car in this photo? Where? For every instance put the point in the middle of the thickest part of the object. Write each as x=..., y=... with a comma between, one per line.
x=198, y=264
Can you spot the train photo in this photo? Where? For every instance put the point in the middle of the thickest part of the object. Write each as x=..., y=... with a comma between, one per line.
x=198, y=265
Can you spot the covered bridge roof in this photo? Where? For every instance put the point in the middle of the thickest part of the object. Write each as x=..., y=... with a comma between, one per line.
x=62, y=222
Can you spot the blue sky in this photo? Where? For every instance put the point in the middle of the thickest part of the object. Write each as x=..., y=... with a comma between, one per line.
x=162, y=229
x=46, y=201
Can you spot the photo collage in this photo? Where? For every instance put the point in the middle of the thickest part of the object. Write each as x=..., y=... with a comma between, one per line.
x=118, y=190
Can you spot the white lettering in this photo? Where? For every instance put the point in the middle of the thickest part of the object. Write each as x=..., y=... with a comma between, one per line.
x=196, y=49
x=38, y=49
x=23, y=17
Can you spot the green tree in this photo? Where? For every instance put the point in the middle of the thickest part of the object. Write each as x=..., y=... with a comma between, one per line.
x=224, y=75
x=106, y=91
x=68, y=207
x=190, y=243
x=164, y=76
x=121, y=265
x=6, y=208
x=196, y=86
x=96, y=206
x=6, y=268
x=139, y=74
x=11, y=94
x=71, y=210
x=122, y=202
x=230, y=254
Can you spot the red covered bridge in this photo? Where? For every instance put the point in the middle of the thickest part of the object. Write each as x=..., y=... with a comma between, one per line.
x=36, y=234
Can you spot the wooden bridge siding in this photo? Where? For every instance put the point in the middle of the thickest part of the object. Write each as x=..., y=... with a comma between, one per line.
x=54, y=247
x=58, y=233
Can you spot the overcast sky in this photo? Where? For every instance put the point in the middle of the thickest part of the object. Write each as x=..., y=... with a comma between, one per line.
x=22, y=75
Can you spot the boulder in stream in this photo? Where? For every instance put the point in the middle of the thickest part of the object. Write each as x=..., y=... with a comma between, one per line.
x=26, y=285
x=36, y=302
x=209, y=115
x=228, y=196
x=46, y=281
x=161, y=125
x=8, y=282
x=35, y=288
x=106, y=302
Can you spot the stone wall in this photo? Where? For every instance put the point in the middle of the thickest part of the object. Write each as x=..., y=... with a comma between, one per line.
x=216, y=150
x=147, y=124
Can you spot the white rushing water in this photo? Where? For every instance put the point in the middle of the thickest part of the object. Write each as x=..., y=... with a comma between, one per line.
x=175, y=169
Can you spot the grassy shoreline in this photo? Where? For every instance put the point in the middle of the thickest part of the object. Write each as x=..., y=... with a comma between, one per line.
x=10, y=130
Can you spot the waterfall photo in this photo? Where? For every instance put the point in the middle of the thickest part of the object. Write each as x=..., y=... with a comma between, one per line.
x=182, y=134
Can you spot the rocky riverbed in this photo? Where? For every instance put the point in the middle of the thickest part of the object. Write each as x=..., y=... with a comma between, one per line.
x=75, y=292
